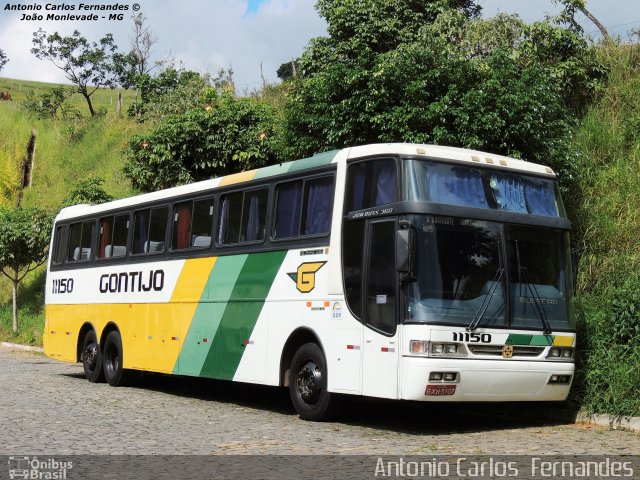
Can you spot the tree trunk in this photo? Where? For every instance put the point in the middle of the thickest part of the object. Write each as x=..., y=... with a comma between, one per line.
x=596, y=22
x=14, y=284
x=87, y=97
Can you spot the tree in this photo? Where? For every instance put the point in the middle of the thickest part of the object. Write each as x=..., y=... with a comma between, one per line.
x=581, y=5
x=448, y=78
x=225, y=135
x=3, y=59
x=88, y=191
x=24, y=241
x=88, y=65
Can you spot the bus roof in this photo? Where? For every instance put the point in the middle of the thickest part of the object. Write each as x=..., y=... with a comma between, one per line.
x=325, y=158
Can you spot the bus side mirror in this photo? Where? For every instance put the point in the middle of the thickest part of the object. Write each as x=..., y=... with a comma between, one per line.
x=405, y=247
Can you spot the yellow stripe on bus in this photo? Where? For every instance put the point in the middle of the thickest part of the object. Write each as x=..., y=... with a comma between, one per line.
x=562, y=341
x=237, y=178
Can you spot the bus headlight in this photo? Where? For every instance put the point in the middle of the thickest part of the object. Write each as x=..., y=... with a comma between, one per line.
x=558, y=353
x=447, y=350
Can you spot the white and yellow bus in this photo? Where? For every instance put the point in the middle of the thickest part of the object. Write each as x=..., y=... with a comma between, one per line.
x=396, y=271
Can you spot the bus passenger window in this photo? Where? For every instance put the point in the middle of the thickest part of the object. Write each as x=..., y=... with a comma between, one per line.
x=80, y=237
x=58, y=245
x=304, y=208
x=254, y=215
x=113, y=236
x=288, y=205
x=243, y=216
x=149, y=230
x=192, y=222
x=318, y=196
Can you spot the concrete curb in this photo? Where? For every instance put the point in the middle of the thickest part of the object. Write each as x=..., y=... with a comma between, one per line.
x=622, y=423
x=24, y=348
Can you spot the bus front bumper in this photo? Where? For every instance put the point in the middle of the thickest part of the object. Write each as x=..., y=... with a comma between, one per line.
x=485, y=380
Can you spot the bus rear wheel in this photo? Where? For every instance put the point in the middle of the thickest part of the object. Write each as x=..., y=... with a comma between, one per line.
x=92, y=358
x=308, y=384
x=112, y=360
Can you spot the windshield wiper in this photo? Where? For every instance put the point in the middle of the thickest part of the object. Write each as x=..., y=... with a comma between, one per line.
x=546, y=327
x=477, y=318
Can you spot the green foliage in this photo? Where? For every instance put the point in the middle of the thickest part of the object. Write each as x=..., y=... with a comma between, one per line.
x=172, y=91
x=426, y=73
x=226, y=135
x=605, y=212
x=24, y=241
x=49, y=104
x=3, y=59
x=88, y=191
x=87, y=65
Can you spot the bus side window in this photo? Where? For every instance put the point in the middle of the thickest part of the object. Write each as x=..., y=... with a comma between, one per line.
x=318, y=200
x=304, y=208
x=113, y=236
x=371, y=184
x=80, y=238
x=58, y=245
x=192, y=223
x=254, y=215
x=149, y=230
x=243, y=216
x=288, y=208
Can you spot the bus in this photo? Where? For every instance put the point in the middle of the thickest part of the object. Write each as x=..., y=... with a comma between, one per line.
x=397, y=271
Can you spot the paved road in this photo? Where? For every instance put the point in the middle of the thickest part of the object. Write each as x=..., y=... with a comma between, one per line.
x=48, y=407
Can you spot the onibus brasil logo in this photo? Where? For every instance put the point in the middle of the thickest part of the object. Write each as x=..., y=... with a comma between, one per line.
x=305, y=277
x=50, y=468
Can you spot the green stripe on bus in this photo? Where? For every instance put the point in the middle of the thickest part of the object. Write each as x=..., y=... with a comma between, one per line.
x=206, y=319
x=272, y=170
x=318, y=160
x=534, y=340
x=241, y=314
x=542, y=340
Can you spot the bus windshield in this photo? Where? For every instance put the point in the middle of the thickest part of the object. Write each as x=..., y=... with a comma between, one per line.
x=466, y=269
x=469, y=186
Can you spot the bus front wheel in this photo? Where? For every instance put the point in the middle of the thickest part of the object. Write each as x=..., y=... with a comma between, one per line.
x=308, y=383
x=92, y=358
x=112, y=360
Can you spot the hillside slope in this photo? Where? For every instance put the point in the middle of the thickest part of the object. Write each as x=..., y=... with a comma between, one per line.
x=67, y=151
x=607, y=228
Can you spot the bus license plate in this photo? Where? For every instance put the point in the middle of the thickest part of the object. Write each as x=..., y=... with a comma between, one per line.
x=438, y=390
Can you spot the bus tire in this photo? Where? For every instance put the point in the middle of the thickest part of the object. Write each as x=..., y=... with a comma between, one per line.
x=112, y=359
x=308, y=383
x=92, y=358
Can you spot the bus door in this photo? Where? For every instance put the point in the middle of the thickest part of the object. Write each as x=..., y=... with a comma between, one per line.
x=380, y=346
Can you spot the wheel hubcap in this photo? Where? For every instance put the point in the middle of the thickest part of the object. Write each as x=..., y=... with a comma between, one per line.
x=309, y=381
x=91, y=355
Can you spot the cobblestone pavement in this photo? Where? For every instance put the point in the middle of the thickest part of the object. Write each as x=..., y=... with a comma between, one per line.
x=48, y=407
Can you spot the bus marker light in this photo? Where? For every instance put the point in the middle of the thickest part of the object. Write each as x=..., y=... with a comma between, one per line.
x=205, y=340
x=418, y=346
x=248, y=342
x=353, y=347
x=387, y=349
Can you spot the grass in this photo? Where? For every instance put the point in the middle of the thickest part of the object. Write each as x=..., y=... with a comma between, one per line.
x=67, y=151
x=607, y=227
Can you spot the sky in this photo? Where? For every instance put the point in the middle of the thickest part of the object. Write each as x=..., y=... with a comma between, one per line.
x=206, y=35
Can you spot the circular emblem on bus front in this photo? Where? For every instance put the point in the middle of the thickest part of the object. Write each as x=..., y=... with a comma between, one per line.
x=507, y=351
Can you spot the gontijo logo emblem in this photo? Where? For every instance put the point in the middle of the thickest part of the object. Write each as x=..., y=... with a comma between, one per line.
x=305, y=277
